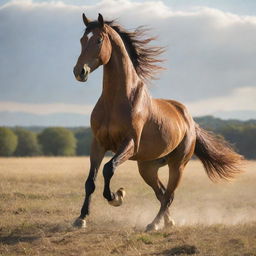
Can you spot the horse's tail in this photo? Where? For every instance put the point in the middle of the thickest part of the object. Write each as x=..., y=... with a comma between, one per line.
x=219, y=159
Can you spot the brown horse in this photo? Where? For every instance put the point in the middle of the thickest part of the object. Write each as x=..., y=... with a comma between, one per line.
x=128, y=122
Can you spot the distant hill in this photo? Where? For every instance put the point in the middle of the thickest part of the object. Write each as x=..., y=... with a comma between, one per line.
x=214, y=123
x=236, y=114
x=38, y=122
x=241, y=134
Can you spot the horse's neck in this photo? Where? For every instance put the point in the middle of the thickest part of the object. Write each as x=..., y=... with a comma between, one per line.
x=120, y=78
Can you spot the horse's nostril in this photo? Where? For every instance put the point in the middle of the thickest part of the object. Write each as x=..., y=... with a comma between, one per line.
x=82, y=72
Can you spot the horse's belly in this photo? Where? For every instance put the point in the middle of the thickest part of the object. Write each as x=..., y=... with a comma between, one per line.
x=158, y=141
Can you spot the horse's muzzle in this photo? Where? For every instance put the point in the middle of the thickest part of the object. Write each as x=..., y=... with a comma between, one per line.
x=83, y=75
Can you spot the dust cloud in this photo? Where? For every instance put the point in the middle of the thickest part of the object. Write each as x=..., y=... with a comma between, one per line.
x=197, y=200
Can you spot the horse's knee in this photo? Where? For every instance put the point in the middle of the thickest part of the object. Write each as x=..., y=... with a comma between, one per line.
x=108, y=170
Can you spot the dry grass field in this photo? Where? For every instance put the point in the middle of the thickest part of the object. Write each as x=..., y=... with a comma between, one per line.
x=40, y=198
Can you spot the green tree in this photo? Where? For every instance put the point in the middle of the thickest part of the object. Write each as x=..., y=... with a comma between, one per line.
x=247, y=145
x=242, y=137
x=84, y=140
x=8, y=141
x=27, y=143
x=57, y=141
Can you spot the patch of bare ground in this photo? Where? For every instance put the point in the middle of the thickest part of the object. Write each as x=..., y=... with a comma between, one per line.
x=40, y=198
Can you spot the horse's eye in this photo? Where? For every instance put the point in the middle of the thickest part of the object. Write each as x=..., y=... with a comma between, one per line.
x=99, y=40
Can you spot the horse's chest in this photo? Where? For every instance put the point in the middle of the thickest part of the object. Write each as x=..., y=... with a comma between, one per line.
x=110, y=126
x=110, y=135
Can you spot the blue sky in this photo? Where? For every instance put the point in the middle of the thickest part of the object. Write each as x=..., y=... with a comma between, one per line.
x=211, y=49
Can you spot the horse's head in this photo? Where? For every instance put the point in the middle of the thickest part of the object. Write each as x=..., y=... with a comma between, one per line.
x=96, y=48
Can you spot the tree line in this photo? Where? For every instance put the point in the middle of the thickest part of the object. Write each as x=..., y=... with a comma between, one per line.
x=52, y=141
x=60, y=141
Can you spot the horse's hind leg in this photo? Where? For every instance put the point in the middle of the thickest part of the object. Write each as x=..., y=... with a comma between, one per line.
x=149, y=172
x=175, y=174
x=177, y=161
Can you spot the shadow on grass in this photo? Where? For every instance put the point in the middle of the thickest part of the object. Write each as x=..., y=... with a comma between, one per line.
x=29, y=232
x=61, y=227
x=179, y=250
x=12, y=240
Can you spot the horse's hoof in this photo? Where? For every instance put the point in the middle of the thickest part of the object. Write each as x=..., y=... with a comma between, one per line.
x=121, y=192
x=152, y=227
x=118, y=198
x=79, y=223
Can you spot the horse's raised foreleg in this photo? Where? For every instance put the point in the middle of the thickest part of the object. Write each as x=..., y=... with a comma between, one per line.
x=124, y=153
x=96, y=156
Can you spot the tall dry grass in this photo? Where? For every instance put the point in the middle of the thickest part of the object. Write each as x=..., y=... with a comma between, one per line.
x=40, y=198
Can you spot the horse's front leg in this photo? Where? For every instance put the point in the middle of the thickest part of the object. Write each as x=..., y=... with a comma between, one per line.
x=124, y=153
x=96, y=156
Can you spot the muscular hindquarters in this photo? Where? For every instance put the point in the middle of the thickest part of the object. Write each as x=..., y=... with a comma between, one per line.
x=167, y=124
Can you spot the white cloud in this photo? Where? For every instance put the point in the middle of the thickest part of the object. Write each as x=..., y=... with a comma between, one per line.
x=210, y=53
x=45, y=109
x=241, y=99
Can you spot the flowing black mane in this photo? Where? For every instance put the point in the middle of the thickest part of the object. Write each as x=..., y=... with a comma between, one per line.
x=143, y=56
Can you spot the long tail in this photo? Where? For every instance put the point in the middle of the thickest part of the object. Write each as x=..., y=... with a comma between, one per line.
x=219, y=159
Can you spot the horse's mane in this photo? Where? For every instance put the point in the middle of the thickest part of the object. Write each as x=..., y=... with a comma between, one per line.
x=143, y=56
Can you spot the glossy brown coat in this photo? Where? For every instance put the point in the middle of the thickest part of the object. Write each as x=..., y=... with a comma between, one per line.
x=129, y=122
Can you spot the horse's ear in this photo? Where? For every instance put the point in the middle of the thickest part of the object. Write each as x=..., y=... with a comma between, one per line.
x=86, y=21
x=101, y=20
